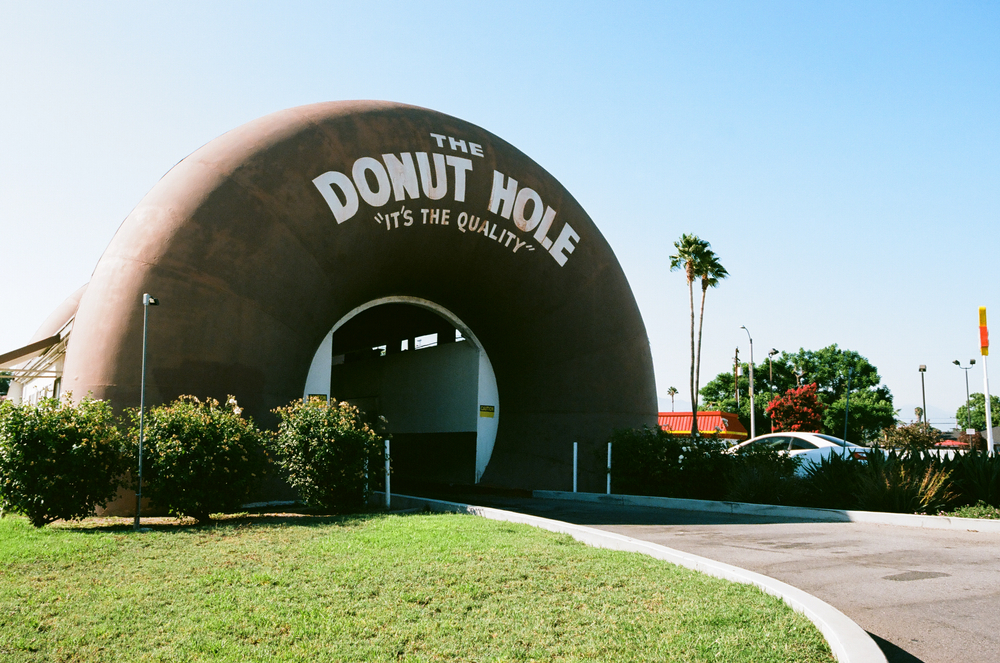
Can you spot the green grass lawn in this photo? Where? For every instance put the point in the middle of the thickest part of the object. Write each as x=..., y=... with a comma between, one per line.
x=414, y=587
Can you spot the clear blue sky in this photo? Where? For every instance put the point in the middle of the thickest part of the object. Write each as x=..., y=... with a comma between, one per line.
x=842, y=158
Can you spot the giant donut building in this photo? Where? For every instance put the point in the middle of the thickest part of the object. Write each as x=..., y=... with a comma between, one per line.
x=404, y=260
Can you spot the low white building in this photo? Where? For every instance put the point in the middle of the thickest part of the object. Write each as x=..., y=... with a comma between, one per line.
x=35, y=370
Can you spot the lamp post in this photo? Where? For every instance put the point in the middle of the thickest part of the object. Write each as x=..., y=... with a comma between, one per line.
x=147, y=301
x=923, y=393
x=753, y=415
x=968, y=409
x=770, y=379
x=847, y=404
x=984, y=344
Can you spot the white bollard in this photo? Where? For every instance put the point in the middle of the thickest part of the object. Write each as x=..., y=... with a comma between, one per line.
x=388, y=491
x=574, y=465
x=609, y=468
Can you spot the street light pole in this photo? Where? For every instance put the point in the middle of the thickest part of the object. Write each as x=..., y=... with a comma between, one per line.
x=968, y=408
x=847, y=404
x=984, y=344
x=923, y=369
x=147, y=301
x=753, y=413
x=770, y=380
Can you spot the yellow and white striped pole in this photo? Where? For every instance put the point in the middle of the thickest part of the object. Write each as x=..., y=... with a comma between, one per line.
x=984, y=345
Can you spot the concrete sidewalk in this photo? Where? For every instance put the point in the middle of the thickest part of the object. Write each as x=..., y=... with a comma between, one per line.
x=925, y=594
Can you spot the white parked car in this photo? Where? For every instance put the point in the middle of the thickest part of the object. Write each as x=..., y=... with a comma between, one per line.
x=810, y=447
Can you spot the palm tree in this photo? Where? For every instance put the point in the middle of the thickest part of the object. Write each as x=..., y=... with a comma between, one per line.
x=695, y=256
x=672, y=391
x=711, y=271
x=690, y=251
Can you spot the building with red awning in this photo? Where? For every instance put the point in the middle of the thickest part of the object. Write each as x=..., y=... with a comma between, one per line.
x=726, y=424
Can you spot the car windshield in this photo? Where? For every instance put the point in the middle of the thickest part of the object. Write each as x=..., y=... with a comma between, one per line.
x=836, y=440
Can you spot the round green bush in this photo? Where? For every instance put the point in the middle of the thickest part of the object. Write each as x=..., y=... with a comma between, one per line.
x=59, y=460
x=199, y=457
x=324, y=450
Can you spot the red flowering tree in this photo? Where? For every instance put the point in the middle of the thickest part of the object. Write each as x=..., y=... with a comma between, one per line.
x=797, y=410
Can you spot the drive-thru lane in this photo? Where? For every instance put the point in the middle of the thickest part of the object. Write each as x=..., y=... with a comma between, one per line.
x=932, y=595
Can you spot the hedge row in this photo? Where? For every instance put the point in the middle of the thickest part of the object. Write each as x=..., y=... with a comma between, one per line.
x=653, y=462
x=60, y=460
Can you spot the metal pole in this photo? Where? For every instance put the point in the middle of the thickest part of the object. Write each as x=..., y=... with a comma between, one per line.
x=388, y=490
x=146, y=299
x=968, y=409
x=984, y=345
x=736, y=377
x=847, y=406
x=753, y=412
x=989, y=414
x=609, y=468
x=770, y=381
x=923, y=393
x=574, y=465
x=770, y=384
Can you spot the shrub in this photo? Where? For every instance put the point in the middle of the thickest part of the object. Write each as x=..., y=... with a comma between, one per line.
x=324, y=450
x=703, y=468
x=59, y=460
x=976, y=477
x=832, y=483
x=639, y=466
x=651, y=461
x=762, y=475
x=911, y=437
x=913, y=483
x=199, y=457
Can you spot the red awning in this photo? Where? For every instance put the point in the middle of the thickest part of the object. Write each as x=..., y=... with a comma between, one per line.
x=726, y=424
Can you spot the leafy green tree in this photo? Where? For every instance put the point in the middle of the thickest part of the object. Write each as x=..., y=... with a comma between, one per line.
x=828, y=368
x=59, y=460
x=976, y=412
x=695, y=256
x=869, y=414
x=871, y=402
x=720, y=394
x=199, y=457
x=4, y=383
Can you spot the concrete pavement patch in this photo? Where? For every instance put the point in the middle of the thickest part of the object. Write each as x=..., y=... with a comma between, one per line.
x=777, y=511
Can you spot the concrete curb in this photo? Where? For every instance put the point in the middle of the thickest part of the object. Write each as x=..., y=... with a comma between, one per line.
x=775, y=511
x=848, y=641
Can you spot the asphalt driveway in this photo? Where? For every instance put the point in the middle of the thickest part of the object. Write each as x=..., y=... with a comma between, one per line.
x=930, y=596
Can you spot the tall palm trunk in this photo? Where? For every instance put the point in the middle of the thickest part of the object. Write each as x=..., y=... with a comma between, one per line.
x=701, y=322
x=694, y=388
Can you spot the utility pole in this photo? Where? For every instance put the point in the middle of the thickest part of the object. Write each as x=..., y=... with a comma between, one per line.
x=753, y=413
x=736, y=378
x=770, y=379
